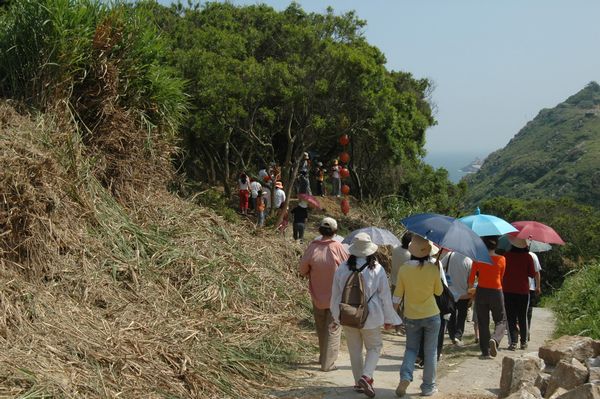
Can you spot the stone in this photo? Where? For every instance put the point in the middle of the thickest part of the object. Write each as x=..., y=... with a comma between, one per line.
x=586, y=391
x=594, y=375
x=541, y=382
x=557, y=393
x=516, y=372
x=525, y=393
x=567, y=375
x=566, y=348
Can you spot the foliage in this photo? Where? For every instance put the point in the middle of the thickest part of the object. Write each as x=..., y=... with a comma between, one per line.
x=577, y=303
x=553, y=156
x=577, y=224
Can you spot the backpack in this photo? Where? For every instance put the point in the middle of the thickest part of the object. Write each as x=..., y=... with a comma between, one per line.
x=445, y=301
x=354, y=306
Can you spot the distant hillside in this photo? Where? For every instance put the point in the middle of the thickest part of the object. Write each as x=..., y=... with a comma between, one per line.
x=557, y=154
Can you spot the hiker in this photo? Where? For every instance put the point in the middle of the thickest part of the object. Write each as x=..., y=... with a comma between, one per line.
x=457, y=268
x=263, y=175
x=320, y=179
x=418, y=282
x=303, y=184
x=255, y=187
x=282, y=227
x=261, y=208
x=279, y=195
x=535, y=290
x=300, y=214
x=244, y=192
x=336, y=181
x=267, y=197
x=376, y=298
x=304, y=163
x=489, y=298
x=400, y=256
x=319, y=263
x=515, y=285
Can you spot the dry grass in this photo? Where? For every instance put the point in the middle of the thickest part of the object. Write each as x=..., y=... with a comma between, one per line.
x=141, y=294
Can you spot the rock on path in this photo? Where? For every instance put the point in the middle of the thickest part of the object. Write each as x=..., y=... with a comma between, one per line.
x=461, y=374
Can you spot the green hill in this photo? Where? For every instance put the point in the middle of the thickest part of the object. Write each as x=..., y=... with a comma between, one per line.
x=557, y=154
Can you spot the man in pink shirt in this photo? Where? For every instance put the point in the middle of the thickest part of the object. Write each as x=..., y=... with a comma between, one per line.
x=319, y=263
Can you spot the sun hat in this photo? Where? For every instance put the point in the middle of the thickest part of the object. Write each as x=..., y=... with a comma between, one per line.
x=362, y=246
x=419, y=247
x=302, y=204
x=329, y=222
x=517, y=242
x=279, y=185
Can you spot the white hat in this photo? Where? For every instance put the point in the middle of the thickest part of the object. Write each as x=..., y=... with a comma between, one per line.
x=302, y=204
x=419, y=247
x=517, y=242
x=329, y=222
x=362, y=246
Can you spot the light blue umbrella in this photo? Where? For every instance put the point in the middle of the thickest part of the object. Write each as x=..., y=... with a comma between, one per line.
x=378, y=235
x=487, y=225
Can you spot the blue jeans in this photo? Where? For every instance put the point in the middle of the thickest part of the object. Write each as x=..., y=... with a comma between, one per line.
x=415, y=329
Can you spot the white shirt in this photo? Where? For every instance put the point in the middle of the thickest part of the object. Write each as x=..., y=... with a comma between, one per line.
x=262, y=174
x=458, y=270
x=400, y=256
x=254, y=188
x=336, y=172
x=279, y=197
x=377, y=288
x=244, y=186
x=538, y=267
x=267, y=197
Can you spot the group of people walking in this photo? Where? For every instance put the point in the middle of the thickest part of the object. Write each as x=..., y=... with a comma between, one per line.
x=419, y=275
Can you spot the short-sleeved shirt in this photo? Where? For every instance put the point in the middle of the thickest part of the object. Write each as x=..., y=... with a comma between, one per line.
x=418, y=284
x=519, y=266
x=300, y=214
x=537, y=267
x=488, y=276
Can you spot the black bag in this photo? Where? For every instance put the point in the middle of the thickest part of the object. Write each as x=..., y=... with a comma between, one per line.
x=445, y=302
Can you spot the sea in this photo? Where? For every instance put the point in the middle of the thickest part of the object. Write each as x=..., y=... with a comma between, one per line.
x=453, y=162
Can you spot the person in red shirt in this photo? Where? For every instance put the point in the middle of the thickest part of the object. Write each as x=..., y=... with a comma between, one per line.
x=519, y=267
x=489, y=298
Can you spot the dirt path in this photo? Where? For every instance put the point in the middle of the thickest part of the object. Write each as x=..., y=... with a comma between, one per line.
x=461, y=374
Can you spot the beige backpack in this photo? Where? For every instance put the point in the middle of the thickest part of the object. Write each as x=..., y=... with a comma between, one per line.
x=354, y=306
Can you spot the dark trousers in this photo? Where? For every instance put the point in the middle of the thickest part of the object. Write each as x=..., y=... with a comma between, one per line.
x=252, y=203
x=298, y=231
x=488, y=301
x=456, y=324
x=320, y=188
x=532, y=303
x=440, y=340
x=516, y=311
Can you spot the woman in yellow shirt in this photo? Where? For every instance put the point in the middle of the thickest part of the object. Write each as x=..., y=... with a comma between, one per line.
x=418, y=281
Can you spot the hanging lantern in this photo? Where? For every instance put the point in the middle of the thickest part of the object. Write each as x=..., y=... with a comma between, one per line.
x=344, y=173
x=345, y=206
x=345, y=189
x=344, y=139
x=344, y=157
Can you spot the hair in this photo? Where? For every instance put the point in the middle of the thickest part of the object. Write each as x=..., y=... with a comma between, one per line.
x=421, y=260
x=371, y=260
x=405, y=240
x=243, y=177
x=491, y=242
x=327, y=231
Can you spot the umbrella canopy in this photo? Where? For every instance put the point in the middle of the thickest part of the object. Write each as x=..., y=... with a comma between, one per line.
x=530, y=230
x=487, y=225
x=534, y=246
x=448, y=233
x=312, y=201
x=378, y=236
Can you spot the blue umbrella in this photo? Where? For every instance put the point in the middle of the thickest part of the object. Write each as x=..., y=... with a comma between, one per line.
x=448, y=233
x=487, y=225
x=378, y=235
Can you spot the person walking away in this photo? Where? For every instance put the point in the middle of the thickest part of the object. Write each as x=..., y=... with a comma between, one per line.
x=303, y=183
x=489, y=298
x=263, y=175
x=320, y=179
x=244, y=192
x=304, y=163
x=457, y=268
x=519, y=267
x=300, y=214
x=380, y=310
x=319, y=263
x=418, y=282
x=400, y=256
x=336, y=181
x=279, y=195
x=261, y=208
x=535, y=290
x=255, y=187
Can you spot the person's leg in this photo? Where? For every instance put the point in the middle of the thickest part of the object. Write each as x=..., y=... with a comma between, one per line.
x=483, y=319
x=452, y=324
x=498, y=315
x=301, y=231
x=511, y=317
x=530, y=313
x=522, y=318
x=320, y=316
x=431, y=328
x=440, y=343
x=332, y=344
x=355, y=347
x=461, y=317
x=373, y=344
x=295, y=231
x=414, y=332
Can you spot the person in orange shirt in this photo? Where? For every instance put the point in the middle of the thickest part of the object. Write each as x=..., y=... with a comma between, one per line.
x=489, y=298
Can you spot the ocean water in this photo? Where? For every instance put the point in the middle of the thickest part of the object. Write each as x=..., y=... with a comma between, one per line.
x=453, y=161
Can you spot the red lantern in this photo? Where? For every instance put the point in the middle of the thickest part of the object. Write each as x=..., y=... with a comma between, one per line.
x=345, y=206
x=345, y=189
x=344, y=157
x=344, y=172
x=267, y=178
x=344, y=139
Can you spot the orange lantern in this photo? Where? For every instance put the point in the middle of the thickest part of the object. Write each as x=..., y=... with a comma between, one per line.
x=345, y=189
x=345, y=206
x=344, y=157
x=344, y=139
x=344, y=172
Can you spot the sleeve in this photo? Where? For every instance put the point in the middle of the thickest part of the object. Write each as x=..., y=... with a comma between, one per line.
x=536, y=262
x=438, y=288
x=336, y=296
x=389, y=314
x=304, y=267
x=399, y=291
x=502, y=266
x=530, y=267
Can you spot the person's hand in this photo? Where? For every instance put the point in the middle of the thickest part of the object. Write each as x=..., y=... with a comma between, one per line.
x=387, y=326
x=538, y=290
x=333, y=326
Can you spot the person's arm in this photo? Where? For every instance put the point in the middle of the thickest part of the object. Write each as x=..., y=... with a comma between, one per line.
x=304, y=268
x=390, y=316
x=538, y=287
x=472, y=274
x=399, y=291
x=336, y=297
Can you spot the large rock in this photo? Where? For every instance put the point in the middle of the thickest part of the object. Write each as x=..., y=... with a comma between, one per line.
x=541, y=382
x=527, y=391
x=593, y=365
x=587, y=391
x=567, y=375
x=568, y=347
x=516, y=372
x=558, y=393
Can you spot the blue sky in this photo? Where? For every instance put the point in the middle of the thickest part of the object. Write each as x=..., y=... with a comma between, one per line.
x=495, y=64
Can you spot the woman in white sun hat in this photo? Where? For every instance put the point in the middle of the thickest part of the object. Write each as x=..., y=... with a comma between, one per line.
x=380, y=310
